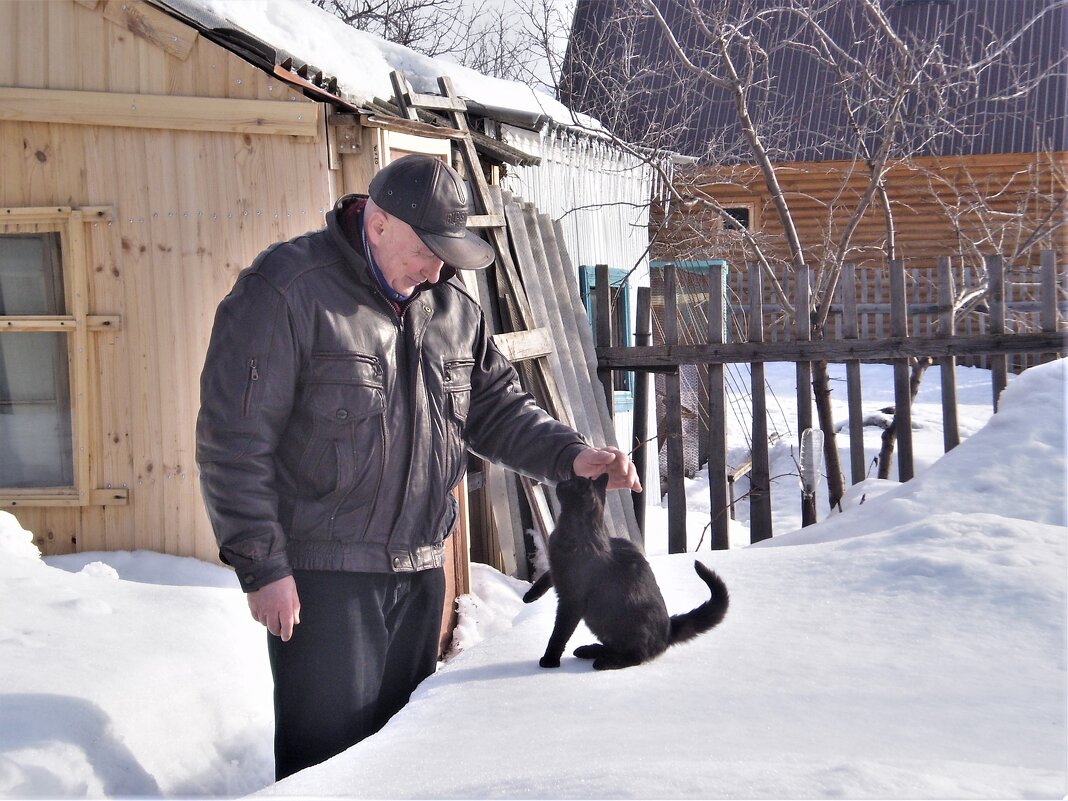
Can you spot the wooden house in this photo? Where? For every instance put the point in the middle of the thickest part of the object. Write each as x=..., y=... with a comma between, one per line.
x=149, y=150
x=978, y=168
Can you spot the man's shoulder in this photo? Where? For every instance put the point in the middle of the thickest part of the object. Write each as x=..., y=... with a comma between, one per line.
x=285, y=263
x=455, y=290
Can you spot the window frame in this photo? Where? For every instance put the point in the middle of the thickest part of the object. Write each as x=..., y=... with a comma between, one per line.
x=76, y=323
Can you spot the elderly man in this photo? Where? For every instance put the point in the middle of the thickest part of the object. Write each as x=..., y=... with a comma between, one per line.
x=348, y=373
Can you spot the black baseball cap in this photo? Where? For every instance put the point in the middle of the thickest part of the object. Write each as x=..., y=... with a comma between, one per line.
x=430, y=196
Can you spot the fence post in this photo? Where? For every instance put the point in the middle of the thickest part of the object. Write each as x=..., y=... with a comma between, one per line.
x=899, y=328
x=603, y=292
x=760, y=524
x=676, y=467
x=948, y=364
x=995, y=298
x=717, y=413
x=642, y=336
x=851, y=330
x=803, y=333
x=1049, y=296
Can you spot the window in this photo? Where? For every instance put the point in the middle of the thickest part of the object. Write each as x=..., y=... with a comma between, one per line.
x=621, y=325
x=35, y=409
x=741, y=215
x=44, y=359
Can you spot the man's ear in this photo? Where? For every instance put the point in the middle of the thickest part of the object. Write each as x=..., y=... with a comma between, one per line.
x=375, y=226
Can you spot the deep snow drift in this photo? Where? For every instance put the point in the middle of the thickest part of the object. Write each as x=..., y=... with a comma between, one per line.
x=913, y=646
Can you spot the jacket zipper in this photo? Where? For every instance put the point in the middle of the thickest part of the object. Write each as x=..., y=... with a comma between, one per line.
x=253, y=377
x=361, y=358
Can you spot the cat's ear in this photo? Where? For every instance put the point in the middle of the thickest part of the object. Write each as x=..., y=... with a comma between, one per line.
x=601, y=484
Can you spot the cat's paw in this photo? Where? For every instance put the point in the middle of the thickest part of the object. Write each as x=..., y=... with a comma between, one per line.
x=530, y=596
x=549, y=662
x=589, y=651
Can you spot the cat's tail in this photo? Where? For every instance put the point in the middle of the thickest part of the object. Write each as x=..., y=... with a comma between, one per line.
x=707, y=615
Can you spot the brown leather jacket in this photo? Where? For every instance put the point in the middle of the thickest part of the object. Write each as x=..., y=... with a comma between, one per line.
x=331, y=430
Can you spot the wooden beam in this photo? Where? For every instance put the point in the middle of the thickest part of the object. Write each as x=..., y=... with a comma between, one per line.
x=152, y=25
x=519, y=346
x=33, y=214
x=666, y=357
x=167, y=112
x=902, y=383
x=94, y=497
x=760, y=520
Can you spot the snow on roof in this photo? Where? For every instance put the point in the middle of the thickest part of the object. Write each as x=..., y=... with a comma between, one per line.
x=362, y=62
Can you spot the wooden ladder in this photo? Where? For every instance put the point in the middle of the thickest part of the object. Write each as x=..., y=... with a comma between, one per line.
x=525, y=342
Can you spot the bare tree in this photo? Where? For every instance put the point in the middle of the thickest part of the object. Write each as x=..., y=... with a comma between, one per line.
x=519, y=40
x=887, y=97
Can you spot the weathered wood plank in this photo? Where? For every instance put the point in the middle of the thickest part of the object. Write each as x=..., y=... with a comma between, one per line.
x=603, y=326
x=639, y=448
x=803, y=333
x=676, y=464
x=667, y=357
x=760, y=522
x=167, y=112
x=902, y=385
x=948, y=364
x=142, y=20
x=995, y=299
x=854, y=394
x=519, y=346
x=566, y=277
x=717, y=411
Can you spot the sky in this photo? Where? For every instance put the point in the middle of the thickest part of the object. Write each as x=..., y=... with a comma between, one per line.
x=912, y=646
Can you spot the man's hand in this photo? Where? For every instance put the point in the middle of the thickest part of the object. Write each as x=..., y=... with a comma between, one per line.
x=277, y=607
x=592, y=462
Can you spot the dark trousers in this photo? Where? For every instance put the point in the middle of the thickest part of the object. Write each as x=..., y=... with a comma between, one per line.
x=363, y=644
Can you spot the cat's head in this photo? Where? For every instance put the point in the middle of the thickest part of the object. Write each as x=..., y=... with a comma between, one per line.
x=583, y=493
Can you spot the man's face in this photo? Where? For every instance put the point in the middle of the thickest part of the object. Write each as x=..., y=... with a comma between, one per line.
x=401, y=255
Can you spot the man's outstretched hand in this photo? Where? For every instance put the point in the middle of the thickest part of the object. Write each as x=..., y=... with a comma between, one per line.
x=593, y=462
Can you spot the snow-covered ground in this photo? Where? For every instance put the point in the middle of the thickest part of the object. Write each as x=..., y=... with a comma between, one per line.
x=913, y=646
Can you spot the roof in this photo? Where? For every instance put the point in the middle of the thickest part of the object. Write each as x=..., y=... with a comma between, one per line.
x=626, y=75
x=335, y=63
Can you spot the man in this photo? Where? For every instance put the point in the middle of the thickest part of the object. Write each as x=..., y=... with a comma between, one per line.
x=347, y=374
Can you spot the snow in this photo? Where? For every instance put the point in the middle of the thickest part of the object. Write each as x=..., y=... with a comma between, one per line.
x=912, y=646
x=362, y=62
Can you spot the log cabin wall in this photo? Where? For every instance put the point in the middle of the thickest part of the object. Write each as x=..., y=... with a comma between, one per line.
x=955, y=207
x=177, y=214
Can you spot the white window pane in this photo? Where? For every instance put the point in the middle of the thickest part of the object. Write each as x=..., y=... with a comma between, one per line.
x=31, y=279
x=36, y=444
x=35, y=415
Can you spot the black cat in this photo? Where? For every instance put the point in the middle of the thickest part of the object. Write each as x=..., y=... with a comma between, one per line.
x=607, y=582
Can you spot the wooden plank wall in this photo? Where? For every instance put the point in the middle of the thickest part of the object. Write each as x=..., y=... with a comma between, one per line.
x=190, y=211
x=935, y=203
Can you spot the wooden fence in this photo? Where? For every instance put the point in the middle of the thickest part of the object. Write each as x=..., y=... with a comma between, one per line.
x=898, y=343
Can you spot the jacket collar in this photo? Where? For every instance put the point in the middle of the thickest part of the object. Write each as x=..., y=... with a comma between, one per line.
x=342, y=222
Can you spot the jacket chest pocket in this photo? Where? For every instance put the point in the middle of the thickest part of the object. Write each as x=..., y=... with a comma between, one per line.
x=457, y=385
x=343, y=398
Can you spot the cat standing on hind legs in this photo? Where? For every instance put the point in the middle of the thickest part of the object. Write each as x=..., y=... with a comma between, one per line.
x=607, y=582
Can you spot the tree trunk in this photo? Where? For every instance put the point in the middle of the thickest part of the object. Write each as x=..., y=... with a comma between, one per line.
x=821, y=387
x=886, y=453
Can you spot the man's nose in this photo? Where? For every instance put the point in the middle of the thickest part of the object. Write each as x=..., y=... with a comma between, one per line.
x=433, y=271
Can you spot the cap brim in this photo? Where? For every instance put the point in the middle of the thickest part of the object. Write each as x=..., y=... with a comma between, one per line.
x=469, y=252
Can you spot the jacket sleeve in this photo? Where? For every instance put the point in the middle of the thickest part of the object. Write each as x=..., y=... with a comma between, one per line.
x=246, y=392
x=506, y=426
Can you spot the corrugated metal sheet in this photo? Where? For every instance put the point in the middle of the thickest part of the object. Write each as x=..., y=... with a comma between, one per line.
x=625, y=74
x=600, y=195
